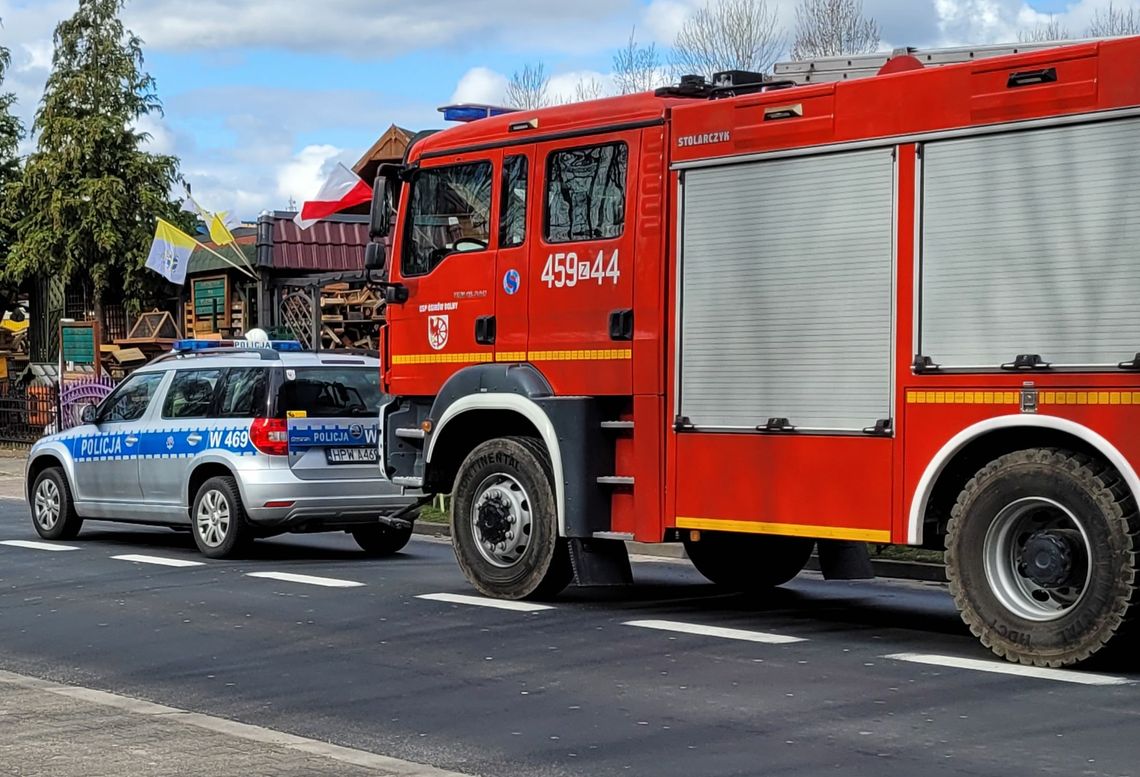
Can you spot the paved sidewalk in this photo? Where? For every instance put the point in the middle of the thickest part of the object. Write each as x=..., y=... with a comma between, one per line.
x=12, y=473
x=53, y=730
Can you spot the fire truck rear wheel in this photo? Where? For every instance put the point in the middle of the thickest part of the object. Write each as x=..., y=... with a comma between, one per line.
x=1040, y=555
x=748, y=562
x=504, y=521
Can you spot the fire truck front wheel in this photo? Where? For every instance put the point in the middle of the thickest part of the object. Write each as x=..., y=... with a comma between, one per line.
x=748, y=562
x=504, y=521
x=1040, y=555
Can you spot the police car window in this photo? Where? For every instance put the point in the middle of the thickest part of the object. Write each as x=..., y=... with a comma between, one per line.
x=585, y=193
x=129, y=401
x=244, y=393
x=449, y=212
x=512, y=203
x=190, y=394
x=331, y=393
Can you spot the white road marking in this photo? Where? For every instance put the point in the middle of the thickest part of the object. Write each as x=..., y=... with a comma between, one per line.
x=159, y=560
x=288, y=577
x=385, y=765
x=997, y=667
x=30, y=545
x=481, y=601
x=716, y=631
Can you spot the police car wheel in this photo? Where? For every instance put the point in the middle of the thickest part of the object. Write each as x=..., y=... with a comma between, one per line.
x=1041, y=557
x=217, y=520
x=504, y=521
x=53, y=512
x=381, y=540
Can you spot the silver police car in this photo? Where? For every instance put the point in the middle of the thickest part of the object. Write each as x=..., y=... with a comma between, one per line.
x=233, y=440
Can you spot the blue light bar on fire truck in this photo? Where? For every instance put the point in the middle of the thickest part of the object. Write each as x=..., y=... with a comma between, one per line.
x=206, y=345
x=472, y=111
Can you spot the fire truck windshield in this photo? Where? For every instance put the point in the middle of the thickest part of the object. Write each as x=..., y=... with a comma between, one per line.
x=449, y=211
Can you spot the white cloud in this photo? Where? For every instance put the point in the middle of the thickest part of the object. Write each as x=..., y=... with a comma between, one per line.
x=301, y=177
x=37, y=55
x=480, y=85
x=563, y=86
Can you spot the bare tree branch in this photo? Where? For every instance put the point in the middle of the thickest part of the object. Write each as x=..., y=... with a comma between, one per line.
x=728, y=35
x=1114, y=21
x=832, y=28
x=530, y=88
x=588, y=89
x=1053, y=29
x=637, y=68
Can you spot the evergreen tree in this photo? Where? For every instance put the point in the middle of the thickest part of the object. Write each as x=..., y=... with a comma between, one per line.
x=10, y=134
x=86, y=205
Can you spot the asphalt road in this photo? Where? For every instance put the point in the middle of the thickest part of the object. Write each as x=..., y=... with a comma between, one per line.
x=803, y=687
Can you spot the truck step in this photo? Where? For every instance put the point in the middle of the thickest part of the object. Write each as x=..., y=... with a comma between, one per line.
x=617, y=424
x=408, y=482
x=615, y=480
x=411, y=434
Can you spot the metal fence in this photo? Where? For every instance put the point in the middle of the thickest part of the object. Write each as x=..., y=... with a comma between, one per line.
x=26, y=412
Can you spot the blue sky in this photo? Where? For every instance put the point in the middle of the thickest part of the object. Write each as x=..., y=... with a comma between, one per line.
x=262, y=97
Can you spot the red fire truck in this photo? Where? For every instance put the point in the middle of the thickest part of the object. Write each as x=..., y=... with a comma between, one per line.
x=772, y=314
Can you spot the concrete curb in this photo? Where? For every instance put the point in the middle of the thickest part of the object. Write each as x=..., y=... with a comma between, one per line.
x=886, y=568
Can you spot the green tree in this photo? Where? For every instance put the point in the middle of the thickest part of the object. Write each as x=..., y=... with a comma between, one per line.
x=11, y=131
x=90, y=193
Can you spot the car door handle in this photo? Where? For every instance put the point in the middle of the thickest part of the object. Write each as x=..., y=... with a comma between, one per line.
x=131, y=439
x=193, y=439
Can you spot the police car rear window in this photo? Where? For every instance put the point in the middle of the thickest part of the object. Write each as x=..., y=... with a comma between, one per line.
x=330, y=392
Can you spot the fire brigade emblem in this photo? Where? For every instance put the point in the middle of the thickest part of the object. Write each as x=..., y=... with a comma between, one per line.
x=437, y=332
x=511, y=282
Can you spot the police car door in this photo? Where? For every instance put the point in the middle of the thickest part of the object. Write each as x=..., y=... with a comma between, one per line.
x=106, y=453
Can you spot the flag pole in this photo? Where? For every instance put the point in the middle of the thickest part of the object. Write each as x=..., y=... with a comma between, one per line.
x=205, y=247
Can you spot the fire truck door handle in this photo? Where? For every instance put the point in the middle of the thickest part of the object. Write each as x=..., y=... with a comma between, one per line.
x=621, y=324
x=485, y=330
x=1029, y=77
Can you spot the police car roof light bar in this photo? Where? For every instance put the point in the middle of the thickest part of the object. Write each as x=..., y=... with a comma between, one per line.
x=254, y=345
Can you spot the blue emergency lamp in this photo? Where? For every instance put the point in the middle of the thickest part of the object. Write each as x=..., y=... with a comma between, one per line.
x=206, y=345
x=472, y=111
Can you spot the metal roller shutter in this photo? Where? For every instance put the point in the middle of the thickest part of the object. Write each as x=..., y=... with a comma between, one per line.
x=1029, y=246
x=786, y=292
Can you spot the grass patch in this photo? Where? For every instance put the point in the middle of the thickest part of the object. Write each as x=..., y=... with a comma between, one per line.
x=432, y=514
x=905, y=553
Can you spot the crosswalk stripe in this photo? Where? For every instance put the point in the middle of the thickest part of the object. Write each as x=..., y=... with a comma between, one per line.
x=289, y=577
x=997, y=667
x=31, y=545
x=159, y=560
x=716, y=631
x=481, y=601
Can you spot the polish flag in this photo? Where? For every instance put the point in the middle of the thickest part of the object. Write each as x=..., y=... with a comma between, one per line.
x=342, y=190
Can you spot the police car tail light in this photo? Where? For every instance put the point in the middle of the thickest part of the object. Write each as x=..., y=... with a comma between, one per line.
x=270, y=436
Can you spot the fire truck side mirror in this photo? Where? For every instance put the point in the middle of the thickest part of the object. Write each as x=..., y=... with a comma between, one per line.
x=383, y=204
x=375, y=257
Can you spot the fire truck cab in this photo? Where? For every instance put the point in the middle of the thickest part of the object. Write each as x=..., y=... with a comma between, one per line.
x=775, y=314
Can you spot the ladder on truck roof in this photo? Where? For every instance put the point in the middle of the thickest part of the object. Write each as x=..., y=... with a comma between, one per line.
x=824, y=69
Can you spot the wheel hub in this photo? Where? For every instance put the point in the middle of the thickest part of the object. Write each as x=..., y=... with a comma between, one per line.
x=494, y=517
x=1047, y=558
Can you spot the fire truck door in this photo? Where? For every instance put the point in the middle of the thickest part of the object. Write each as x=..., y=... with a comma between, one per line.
x=581, y=263
x=517, y=202
x=444, y=255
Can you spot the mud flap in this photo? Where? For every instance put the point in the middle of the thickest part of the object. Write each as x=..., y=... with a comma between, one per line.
x=599, y=562
x=844, y=560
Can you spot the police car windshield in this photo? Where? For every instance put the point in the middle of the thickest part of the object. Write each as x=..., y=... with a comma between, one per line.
x=331, y=392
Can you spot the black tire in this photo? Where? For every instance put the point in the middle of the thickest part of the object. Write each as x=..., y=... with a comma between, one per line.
x=751, y=563
x=380, y=540
x=236, y=535
x=542, y=567
x=1091, y=586
x=52, y=507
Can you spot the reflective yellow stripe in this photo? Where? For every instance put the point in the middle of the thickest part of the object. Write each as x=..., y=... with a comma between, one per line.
x=1014, y=397
x=785, y=529
x=602, y=354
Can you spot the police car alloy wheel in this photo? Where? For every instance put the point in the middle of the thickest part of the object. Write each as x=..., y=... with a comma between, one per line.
x=217, y=519
x=53, y=513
